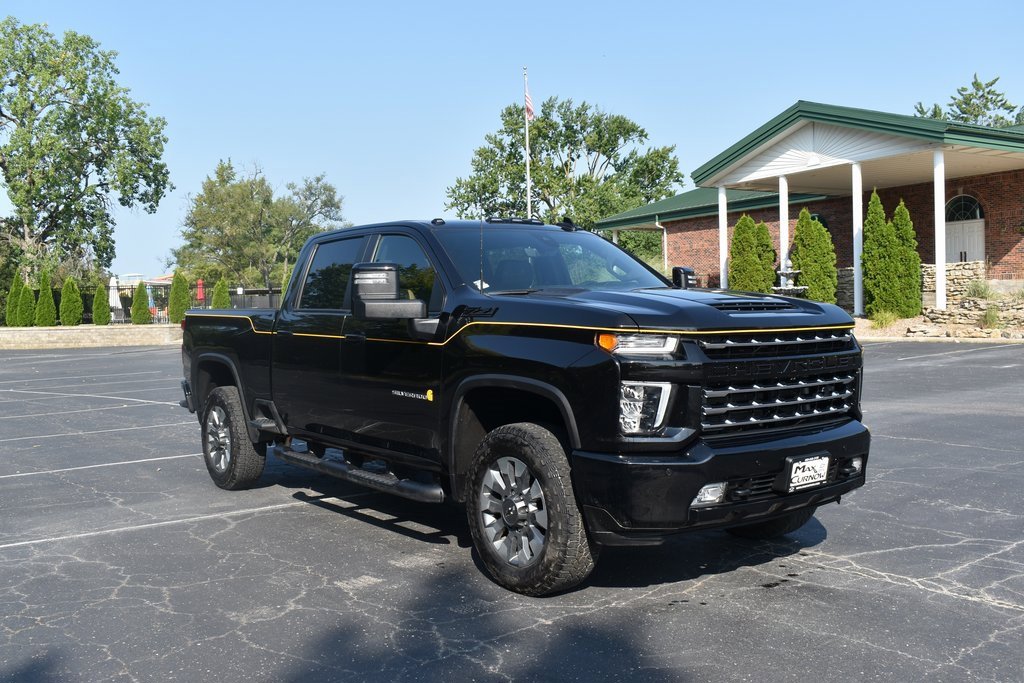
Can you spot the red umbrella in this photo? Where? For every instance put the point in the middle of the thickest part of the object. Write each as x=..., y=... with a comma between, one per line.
x=200, y=294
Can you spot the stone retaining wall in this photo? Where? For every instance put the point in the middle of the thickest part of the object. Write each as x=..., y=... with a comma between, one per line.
x=844, y=288
x=958, y=278
x=969, y=311
x=83, y=336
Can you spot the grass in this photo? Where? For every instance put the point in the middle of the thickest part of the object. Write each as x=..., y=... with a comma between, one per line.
x=990, y=318
x=882, y=319
x=1018, y=295
x=980, y=289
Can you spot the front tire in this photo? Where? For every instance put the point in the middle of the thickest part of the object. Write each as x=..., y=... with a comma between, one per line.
x=522, y=513
x=773, y=528
x=231, y=458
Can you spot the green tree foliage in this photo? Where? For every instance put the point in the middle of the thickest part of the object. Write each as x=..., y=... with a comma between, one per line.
x=71, y=141
x=235, y=228
x=584, y=163
x=140, y=306
x=101, y=306
x=179, y=299
x=978, y=103
x=46, y=309
x=815, y=257
x=70, y=303
x=221, y=297
x=910, y=262
x=747, y=270
x=766, y=253
x=644, y=244
x=26, y=316
x=13, y=299
x=884, y=263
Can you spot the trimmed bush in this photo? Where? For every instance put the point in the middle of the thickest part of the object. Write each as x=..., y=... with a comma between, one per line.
x=880, y=262
x=101, y=306
x=140, y=306
x=766, y=254
x=46, y=309
x=746, y=268
x=815, y=257
x=221, y=298
x=26, y=307
x=178, y=300
x=13, y=299
x=910, y=262
x=70, y=303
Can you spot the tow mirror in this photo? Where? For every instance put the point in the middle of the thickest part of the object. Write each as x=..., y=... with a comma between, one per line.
x=683, y=278
x=375, y=294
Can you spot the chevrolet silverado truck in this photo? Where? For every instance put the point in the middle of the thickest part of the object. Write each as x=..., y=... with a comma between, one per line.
x=562, y=391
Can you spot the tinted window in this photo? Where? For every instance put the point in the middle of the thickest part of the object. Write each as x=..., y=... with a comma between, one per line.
x=329, y=273
x=416, y=277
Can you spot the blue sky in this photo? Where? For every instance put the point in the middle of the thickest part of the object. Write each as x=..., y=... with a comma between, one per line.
x=390, y=99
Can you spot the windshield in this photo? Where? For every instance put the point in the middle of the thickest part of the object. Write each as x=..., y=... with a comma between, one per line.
x=520, y=259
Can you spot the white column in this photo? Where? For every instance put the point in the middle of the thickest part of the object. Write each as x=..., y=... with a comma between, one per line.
x=664, y=246
x=783, y=228
x=723, y=239
x=939, y=181
x=858, y=239
x=615, y=236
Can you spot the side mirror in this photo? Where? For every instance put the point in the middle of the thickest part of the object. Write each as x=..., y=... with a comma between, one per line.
x=375, y=294
x=683, y=278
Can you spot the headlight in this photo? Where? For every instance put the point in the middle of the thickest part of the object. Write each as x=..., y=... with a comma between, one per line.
x=642, y=406
x=637, y=344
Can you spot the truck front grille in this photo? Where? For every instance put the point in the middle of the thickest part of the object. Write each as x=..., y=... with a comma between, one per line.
x=732, y=407
x=773, y=344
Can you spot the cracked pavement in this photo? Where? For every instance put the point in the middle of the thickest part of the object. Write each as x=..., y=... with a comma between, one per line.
x=121, y=561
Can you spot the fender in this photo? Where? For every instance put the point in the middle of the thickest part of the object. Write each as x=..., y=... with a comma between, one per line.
x=221, y=359
x=526, y=384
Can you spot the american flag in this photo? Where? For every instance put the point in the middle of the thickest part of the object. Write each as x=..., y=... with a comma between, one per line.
x=529, y=106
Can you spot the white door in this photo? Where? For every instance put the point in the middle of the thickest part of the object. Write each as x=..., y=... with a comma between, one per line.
x=965, y=241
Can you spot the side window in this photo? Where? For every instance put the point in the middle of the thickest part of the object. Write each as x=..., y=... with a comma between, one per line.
x=328, y=276
x=416, y=277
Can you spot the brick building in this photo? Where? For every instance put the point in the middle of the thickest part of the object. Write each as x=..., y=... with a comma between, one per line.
x=963, y=185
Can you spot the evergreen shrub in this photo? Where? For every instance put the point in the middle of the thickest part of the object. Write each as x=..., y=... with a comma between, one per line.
x=13, y=299
x=746, y=268
x=178, y=300
x=46, y=309
x=766, y=254
x=140, y=306
x=221, y=296
x=910, y=263
x=815, y=257
x=26, y=307
x=70, y=303
x=880, y=262
x=101, y=306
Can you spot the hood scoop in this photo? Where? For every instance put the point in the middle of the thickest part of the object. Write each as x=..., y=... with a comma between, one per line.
x=751, y=305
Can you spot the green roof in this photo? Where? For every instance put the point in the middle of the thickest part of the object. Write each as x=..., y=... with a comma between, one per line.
x=702, y=201
x=933, y=130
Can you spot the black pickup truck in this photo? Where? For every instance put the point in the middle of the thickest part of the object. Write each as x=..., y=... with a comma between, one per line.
x=569, y=396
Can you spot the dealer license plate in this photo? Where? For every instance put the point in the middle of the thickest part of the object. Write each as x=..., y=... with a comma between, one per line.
x=807, y=472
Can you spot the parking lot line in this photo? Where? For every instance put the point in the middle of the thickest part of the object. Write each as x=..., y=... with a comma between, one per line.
x=123, y=381
x=57, y=393
x=50, y=379
x=950, y=353
x=69, y=412
x=105, y=464
x=172, y=522
x=97, y=431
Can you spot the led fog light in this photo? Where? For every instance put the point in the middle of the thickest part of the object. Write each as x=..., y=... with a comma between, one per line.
x=857, y=464
x=642, y=406
x=710, y=494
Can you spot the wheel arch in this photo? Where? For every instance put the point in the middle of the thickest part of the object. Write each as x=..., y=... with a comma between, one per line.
x=212, y=370
x=475, y=411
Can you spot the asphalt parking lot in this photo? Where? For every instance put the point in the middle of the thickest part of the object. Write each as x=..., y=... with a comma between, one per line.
x=121, y=561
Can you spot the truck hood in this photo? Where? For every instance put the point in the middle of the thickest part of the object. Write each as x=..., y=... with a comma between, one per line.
x=703, y=309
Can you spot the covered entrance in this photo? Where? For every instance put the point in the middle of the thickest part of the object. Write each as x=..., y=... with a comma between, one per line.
x=965, y=230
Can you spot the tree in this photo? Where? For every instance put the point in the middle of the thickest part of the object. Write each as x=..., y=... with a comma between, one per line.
x=880, y=261
x=236, y=228
x=13, y=298
x=71, y=139
x=26, y=315
x=747, y=270
x=178, y=300
x=140, y=306
x=910, y=263
x=979, y=103
x=584, y=163
x=101, y=306
x=766, y=254
x=815, y=257
x=221, y=297
x=46, y=309
x=70, y=303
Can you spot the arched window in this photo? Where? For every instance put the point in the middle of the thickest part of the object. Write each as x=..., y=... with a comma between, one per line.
x=963, y=208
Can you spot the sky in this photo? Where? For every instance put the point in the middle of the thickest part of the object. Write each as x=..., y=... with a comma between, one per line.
x=390, y=99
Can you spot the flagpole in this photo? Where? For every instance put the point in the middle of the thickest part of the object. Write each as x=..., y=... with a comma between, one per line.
x=526, y=123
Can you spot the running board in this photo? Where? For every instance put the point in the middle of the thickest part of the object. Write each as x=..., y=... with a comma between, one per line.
x=386, y=482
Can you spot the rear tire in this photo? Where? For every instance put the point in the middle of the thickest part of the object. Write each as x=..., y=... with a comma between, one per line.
x=522, y=512
x=773, y=528
x=231, y=458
